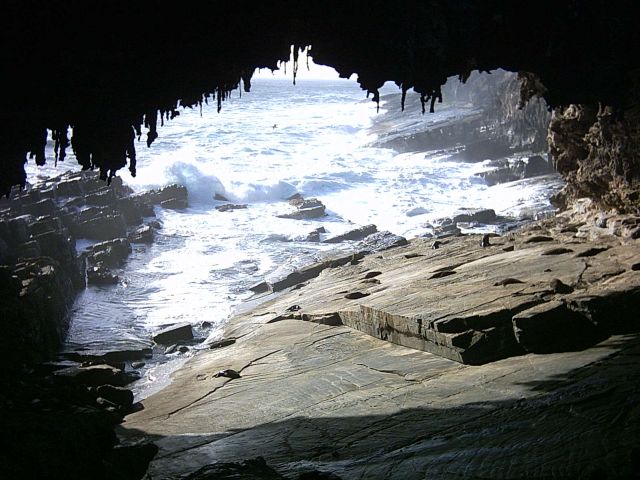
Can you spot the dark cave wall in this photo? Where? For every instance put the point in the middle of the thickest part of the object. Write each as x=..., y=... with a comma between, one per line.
x=598, y=152
x=115, y=70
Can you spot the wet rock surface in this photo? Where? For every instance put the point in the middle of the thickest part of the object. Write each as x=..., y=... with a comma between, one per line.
x=40, y=267
x=349, y=398
x=305, y=209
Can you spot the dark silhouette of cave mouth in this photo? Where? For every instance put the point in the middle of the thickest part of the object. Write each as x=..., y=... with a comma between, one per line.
x=121, y=71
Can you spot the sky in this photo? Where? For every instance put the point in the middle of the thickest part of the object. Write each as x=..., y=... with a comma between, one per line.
x=315, y=71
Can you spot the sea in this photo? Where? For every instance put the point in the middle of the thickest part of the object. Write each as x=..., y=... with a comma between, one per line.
x=316, y=138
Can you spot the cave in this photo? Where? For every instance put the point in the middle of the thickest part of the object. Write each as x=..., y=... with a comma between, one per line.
x=104, y=81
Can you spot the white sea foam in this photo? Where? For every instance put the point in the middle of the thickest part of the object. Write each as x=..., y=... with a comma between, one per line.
x=262, y=148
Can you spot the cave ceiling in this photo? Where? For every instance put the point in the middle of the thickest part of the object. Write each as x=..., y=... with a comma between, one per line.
x=113, y=71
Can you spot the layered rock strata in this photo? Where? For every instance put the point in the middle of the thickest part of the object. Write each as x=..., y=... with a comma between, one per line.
x=325, y=381
x=40, y=269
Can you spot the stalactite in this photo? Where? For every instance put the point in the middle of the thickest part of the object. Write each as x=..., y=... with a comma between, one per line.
x=61, y=142
x=151, y=122
x=403, y=97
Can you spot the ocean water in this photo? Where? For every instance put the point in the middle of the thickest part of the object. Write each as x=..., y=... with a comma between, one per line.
x=313, y=138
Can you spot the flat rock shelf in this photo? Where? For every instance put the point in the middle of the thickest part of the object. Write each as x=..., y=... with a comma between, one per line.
x=523, y=364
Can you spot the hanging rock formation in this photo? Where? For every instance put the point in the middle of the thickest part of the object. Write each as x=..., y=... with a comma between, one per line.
x=114, y=80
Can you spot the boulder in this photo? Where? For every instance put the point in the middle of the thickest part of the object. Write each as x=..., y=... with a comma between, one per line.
x=175, y=333
x=306, y=209
x=355, y=234
x=478, y=215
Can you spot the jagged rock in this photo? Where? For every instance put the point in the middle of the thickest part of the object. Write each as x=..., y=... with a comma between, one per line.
x=40, y=208
x=143, y=234
x=220, y=198
x=552, y=327
x=102, y=228
x=355, y=234
x=45, y=224
x=174, y=333
x=18, y=229
x=130, y=210
x=314, y=235
x=174, y=204
x=100, y=275
x=380, y=241
x=307, y=209
x=171, y=349
x=34, y=307
x=295, y=199
x=69, y=188
x=103, y=197
x=230, y=206
x=111, y=253
x=172, y=196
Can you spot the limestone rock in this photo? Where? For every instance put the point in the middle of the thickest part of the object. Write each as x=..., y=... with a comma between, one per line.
x=174, y=333
x=355, y=234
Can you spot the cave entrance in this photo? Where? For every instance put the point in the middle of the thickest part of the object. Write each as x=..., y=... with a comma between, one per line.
x=285, y=174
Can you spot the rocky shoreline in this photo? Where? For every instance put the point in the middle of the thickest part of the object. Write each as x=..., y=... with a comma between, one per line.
x=58, y=415
x=514, y=355
x=463, y=321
